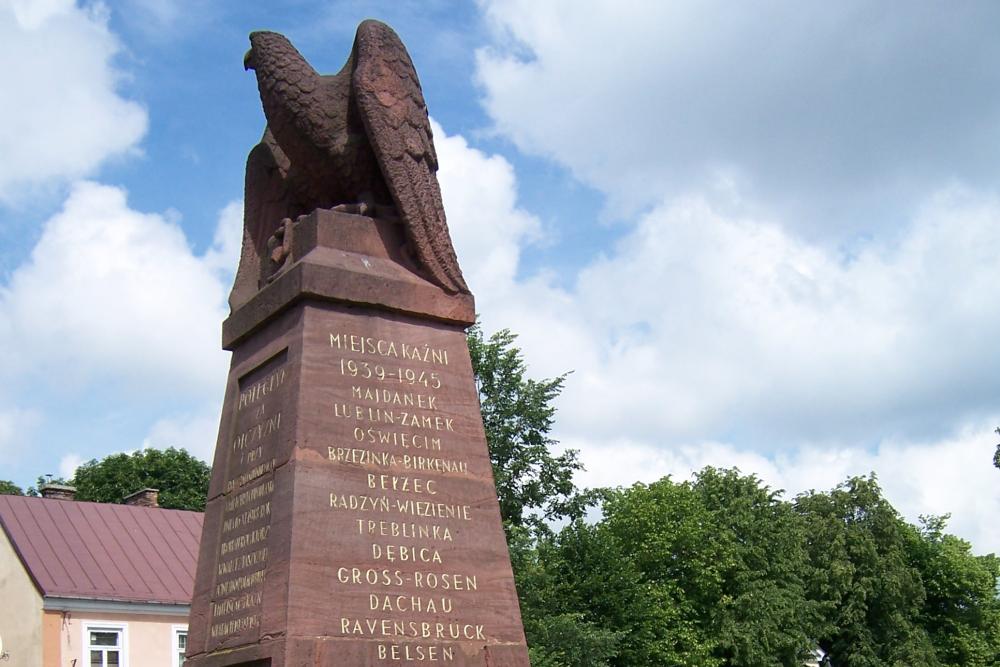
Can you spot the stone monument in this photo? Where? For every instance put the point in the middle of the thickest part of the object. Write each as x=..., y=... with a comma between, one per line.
x=352, y=517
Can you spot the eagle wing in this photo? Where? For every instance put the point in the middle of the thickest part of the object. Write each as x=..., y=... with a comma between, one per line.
x=265, y=204
x=394, y=113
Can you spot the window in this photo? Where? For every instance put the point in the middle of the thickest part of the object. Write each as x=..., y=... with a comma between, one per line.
x=105, y=646
x=180, y=639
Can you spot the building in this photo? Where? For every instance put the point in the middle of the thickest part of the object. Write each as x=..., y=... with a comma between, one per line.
x=90, y=584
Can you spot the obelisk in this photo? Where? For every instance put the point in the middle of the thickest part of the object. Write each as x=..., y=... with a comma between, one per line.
x=352, y=518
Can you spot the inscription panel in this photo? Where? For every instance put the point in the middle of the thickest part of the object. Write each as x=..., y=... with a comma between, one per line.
x=242, y=558
x=402, y=495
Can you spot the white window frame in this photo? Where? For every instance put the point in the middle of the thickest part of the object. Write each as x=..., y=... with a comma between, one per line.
x=174, y=631
x=115, y=626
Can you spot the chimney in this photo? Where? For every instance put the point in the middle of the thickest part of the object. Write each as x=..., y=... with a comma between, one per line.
x=58, y=491
x=144, y=498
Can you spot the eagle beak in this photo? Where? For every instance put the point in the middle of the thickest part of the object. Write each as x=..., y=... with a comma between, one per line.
x=248, y=63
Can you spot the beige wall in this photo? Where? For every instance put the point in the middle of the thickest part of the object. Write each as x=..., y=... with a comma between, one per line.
x=51, y=623
x=20, y=611
x=148, y=637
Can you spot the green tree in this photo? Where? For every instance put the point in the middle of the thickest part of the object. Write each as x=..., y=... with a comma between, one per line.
x=730, y=556
x=533, y=485
x=8, y=488
x=861, y=572
x=569, y=640
x=996, y=454
x=583, y=573
x=560, y=625
x=961, y=612
x=181, y=478
x=709, y=573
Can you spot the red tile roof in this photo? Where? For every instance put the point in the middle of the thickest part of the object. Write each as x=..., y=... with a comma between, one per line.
x=106, y=552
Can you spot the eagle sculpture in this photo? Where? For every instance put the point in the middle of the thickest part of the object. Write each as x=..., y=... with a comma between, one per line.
x=357, y=141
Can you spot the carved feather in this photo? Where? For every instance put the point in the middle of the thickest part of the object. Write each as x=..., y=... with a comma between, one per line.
x=362, y=135
x=395, y=115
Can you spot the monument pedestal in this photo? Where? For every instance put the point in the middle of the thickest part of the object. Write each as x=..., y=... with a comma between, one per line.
x=352, y=517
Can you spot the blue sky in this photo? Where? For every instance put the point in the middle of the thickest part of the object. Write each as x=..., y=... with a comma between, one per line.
x=761, y=236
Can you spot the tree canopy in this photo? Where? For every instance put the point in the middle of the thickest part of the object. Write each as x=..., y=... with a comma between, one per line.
x=533, y=483
x=722, y=571
x=8, y=488
x=181, y=478
x=996, y=454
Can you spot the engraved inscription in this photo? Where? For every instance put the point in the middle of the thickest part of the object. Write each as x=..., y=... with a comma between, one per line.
x=416, y=652
x=260, y=390
x=403, y=436
x=242, y=556
x=358, y=456
x=368, y=345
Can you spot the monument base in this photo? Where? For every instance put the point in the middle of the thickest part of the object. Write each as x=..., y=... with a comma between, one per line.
x=352, y=517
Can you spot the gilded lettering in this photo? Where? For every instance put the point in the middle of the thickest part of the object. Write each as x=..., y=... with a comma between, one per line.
x=371, y=346
x=357, y=456
x=234, y=605
x=414, y=462
x=371, y=627
x=370, y=576
x=405, y=440
x=445, y=581
x=250, y=475
x=404, y=553
x=416, y=652
x=241, y=562
x=409, y=603
x=258, y=431
x=428, y=509
x=239, y=584
x=359, y=503
x=402, y=484
x=249, y=516
x=236, y=625
x=361, y=456
x=250, y=495
x=421, y=531
x=258, y=390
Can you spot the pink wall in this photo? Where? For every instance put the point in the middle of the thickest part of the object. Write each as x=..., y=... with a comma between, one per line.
x=149, y=639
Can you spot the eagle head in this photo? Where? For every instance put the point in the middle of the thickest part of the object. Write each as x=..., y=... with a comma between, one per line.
x=265, y=44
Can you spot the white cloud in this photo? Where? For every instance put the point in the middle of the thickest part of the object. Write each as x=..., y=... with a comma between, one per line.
x=161, y=21
x=195, y=432
x=698, y=325
x=63, y=114
x=111, y=295
x=708, y=338
x=227, y=242
x=839, y=115
x=700, y=328
x=479, y=192
x=32, y=14
x=16, y=425
x=68, y=465
x=161, y=13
